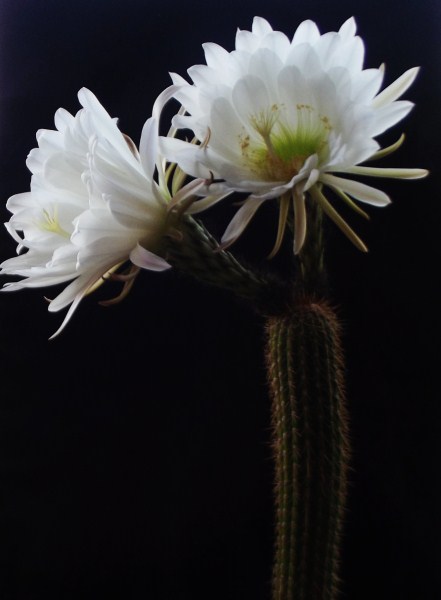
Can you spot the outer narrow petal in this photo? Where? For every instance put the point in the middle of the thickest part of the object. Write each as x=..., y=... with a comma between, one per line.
x=360, y=191
x=387, y=172
x=396, y=89
x=240, y=220
x=389, y=115
x=147, y=260
x=148, y=146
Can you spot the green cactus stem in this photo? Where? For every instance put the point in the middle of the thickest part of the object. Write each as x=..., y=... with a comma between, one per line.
x=199, y=255
x=311, y=449
x=310, y=430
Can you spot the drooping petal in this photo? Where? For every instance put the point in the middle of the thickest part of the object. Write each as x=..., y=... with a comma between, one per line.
x=240, y=220
x=143, y=258
x=329, y=210
x=299, y=220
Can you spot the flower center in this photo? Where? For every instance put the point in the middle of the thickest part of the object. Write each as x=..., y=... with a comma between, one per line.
x=285, y=143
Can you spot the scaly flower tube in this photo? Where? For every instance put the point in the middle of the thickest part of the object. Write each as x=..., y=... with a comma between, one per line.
x=93, y=205
x=278, y=119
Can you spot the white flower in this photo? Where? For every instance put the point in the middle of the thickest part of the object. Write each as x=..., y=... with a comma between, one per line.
x=278, y=118
x=93, y=205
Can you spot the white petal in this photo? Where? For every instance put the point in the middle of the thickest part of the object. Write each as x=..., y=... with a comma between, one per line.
x=102, y=121
x=73, y=307
x=367, y=84
x=388, y=115
x=74, y=293
x=206, y=202
x=76, y=289
x=306, y=32
x=250, y=97
x=360, y=191
x=63, y=119
x=261, y=27
x=399, y=173
x=164, y=97
x=246, y=41
x=188, y=156
x=240, y=220
x=226, y=128
x=178, y=79
x=215, y=55
x=148, y=146
x=266, y=64
x=397, y=88
x=299, y=220
x=278, y=43
x=348, y=29
x=147, y=260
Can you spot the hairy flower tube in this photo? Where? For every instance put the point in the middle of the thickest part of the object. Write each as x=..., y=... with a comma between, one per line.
x=93, y=205
x=283, y=119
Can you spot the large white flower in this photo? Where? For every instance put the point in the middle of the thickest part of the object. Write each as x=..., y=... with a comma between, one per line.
x=278, y=118
x=93, y=205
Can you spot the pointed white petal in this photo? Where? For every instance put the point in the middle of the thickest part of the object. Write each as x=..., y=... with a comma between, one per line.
x=215, y=55
x=206, y=202
x=348, y=29
x=299, y=220
x=178, y=79
x=73, y=307
x=63, y=119
x=329, y=210
x=396, y=89
x=307, y=32
x=147, y=260
x=389, y=115
x=360, y=191
x=399, y=173
x=261, y=27
x=246, y=41
x=240, y=220
x=148, y=146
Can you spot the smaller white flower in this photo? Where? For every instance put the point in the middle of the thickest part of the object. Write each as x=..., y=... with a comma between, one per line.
x=93, y=205
x=281, y=118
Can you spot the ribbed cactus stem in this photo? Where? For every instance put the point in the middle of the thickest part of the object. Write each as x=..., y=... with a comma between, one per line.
x=198, y=254
x=311, y=449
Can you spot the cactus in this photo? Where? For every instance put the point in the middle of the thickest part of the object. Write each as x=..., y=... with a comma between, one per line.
x=309, y=419
x=311, y=450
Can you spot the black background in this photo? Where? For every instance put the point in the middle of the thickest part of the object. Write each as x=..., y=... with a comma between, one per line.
x=134, y=448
